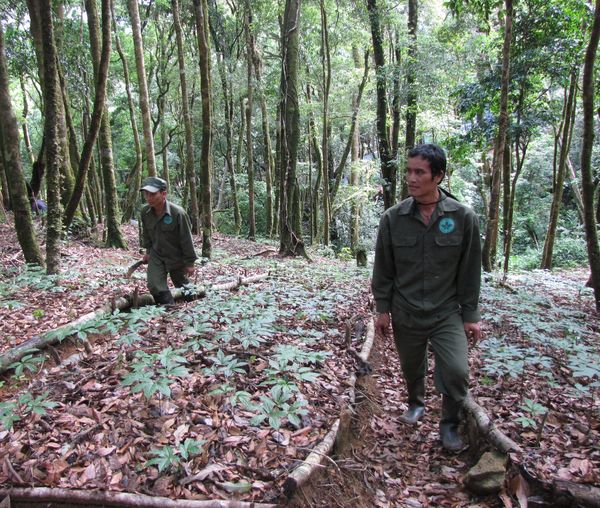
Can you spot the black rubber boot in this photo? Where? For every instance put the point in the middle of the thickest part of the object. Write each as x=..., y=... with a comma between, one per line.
x=449, y=435
x=164, y=298
x=416, y=402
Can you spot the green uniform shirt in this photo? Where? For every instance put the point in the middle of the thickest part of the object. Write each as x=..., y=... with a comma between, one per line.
x=169, y=237
x=432, y=269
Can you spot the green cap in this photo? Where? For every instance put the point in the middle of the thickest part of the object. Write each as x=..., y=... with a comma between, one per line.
x=154, y=184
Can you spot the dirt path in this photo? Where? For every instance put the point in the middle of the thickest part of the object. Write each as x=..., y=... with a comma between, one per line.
x=383, y=463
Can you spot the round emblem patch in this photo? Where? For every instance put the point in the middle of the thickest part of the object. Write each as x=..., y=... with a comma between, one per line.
x=447, y=225
x=168, y=219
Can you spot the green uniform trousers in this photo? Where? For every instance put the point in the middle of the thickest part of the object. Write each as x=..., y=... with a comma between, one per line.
x=157, y=276
x=447, y=338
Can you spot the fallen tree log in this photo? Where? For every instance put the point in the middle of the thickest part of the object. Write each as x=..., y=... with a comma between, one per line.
x=22, y=496
x=55, y=336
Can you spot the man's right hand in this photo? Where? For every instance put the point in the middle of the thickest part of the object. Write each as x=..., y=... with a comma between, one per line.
x=382, y=324
x=146, y=258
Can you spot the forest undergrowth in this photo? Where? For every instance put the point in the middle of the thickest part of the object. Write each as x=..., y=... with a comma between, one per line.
x=221, y=397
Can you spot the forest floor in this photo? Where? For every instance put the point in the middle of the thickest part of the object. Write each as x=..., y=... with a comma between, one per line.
x=221, y=397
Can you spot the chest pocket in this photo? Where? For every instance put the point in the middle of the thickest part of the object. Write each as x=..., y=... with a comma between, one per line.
x=405, y=250
x=447, y=251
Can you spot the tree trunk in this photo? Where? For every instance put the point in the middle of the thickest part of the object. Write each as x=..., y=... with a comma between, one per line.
x=356, y=100
x=326, y=70
x=190, y=162
x=134, y=178
x=411, y=76
x=14, y=169
x=26, y=137
x=134, y=14
x=586, y=155
x=66, y=179
x=228, y=111
x=388, y=163
x=101, y=75
x=491, y=233
x=249, y=106
x=560, y=174
x=201, y=15
x=354, y=167
x=290, y=238
x=114, y=237
x=54, y=156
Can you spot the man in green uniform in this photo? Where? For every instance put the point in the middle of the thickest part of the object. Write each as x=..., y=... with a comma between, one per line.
x=167, y=238
x=426, y=281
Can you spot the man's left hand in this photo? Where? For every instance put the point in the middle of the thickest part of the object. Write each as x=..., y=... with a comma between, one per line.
x=473, y=332
x=189, y=271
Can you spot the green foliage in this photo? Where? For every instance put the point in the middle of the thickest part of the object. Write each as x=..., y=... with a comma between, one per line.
x=12, y=411
x=276, y=407
x=170, y=458
x=28, y=362
x=225, y=365
x=153, y=373
x=531, y=410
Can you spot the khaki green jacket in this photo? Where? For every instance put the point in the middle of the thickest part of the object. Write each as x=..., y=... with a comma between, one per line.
x=169, y=237
x=432, y=269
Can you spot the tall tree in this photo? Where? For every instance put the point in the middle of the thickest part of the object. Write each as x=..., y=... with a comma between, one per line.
x=586, y=155
x=51, y=138
x=202, y=33
x=560, y=171
x=136, y=29
x=134, y=178
x=411, y=76
x=114, y=237
x=326, y=71
x=190, y=164
x=249, y=106
x=290, y=238
x=99, y=105
x=14, y=168
x=66, y=177
x=491, y=232
x=388, y=162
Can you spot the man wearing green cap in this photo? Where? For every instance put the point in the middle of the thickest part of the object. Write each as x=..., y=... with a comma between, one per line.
x=426, y=281
x=167, y=238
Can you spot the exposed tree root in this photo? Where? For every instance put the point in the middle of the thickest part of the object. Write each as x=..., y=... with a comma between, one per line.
x=301, y=475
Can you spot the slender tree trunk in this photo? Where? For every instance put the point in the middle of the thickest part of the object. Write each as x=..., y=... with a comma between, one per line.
x=290, y=239
x=326, y=70
x=354, y=167
x=26, y=137
x=134, y=178
x=114, y=237
x=586, y=155
x=99, y=104
x=134, y=14
x=3, y=180
x=52, y=141
x=201, y=15
x=388, y=163
x=228, y=111
x=14, y=168
x=356, y=100
x=187, y=122
x=249, y=107
x=411, y=76
x=491, y=233
x=560, y=174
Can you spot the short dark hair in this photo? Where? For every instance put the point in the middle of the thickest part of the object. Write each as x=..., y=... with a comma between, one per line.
x=433, y=154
